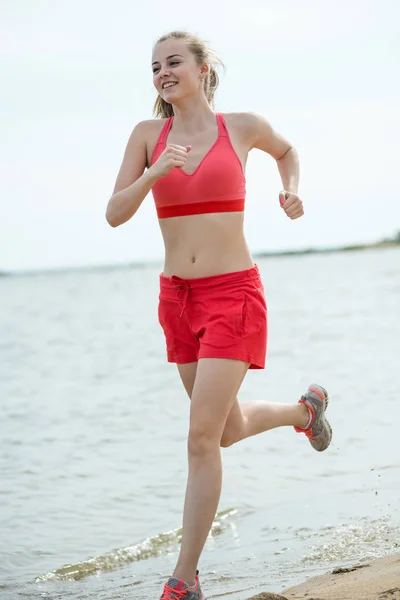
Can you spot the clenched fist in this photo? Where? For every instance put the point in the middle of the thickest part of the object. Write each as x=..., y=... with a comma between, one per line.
x=173, y=156
x=291, y=204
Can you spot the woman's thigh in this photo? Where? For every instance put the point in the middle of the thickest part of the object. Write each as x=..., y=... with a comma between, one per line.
x=214, y=392
x=187, y=374
x=234, y=422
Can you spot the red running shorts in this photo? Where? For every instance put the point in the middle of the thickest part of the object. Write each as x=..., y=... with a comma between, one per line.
x=222, y=316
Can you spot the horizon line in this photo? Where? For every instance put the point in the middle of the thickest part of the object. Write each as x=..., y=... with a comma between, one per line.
x=153, y=262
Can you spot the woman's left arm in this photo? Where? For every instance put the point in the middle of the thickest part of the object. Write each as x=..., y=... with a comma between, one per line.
x=265, y=138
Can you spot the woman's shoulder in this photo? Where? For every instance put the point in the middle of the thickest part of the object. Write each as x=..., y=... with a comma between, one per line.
x=243, y=120
x=245, y=124
x=150, y=125
x=146, y=132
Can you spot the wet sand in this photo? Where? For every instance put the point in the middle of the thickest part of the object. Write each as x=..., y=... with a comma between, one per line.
x=377, y=580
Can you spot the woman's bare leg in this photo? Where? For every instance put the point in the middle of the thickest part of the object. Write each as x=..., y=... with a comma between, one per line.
x=250, y=418
x=215, y=388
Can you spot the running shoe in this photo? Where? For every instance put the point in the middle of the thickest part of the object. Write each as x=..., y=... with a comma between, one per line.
x=176, y=589
x=318, y=431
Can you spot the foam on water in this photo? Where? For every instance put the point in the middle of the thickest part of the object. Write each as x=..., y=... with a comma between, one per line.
x=353, y=542
x=149, y=548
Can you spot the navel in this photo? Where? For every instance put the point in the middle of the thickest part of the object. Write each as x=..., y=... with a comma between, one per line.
x=193, y=259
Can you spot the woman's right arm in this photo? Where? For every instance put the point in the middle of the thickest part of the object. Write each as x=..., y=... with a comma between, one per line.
x=133, y=184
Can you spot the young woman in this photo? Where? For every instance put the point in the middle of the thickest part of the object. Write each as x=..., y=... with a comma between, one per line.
x=211, y=304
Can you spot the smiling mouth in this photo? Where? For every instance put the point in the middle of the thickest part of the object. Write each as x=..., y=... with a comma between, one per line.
x=169, y=84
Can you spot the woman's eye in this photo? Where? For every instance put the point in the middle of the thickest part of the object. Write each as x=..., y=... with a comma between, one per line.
x=171, y=64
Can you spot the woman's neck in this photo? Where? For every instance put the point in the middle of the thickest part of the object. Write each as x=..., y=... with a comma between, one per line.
x=193, y=115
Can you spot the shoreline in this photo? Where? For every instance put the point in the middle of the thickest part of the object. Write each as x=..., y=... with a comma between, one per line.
x=338, y=249
x=256, y=255
x=378, y=579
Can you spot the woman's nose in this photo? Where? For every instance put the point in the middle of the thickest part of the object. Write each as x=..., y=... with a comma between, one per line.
x=164, y=71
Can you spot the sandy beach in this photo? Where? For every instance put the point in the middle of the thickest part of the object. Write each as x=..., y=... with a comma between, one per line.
x=377, y=580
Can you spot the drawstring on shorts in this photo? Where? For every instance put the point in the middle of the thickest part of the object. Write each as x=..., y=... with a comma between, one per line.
x=183, y=286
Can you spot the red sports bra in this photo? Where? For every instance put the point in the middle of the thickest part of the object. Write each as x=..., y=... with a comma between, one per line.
x=217, y=185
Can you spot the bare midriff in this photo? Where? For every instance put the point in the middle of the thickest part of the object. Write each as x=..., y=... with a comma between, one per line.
x=204, y=245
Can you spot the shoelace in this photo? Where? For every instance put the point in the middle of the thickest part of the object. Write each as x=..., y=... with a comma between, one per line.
x=172, y=594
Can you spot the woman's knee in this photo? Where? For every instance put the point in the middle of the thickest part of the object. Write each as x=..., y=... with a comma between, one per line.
x=202, y=441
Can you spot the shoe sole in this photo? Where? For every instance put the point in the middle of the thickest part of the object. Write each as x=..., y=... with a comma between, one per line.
x=326, y=403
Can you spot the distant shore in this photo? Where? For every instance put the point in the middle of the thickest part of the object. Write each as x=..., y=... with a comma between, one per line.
x=352, y=248
x=377, y=579
x=276, y=254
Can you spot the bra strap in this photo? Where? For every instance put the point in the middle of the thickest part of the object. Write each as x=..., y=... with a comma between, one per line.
x=162, y=138
x=222, y=130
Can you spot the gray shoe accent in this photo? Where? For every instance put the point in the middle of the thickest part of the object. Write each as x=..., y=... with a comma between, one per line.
x=320, y=431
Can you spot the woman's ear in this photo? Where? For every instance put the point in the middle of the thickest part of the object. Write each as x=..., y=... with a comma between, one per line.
x=204, y=71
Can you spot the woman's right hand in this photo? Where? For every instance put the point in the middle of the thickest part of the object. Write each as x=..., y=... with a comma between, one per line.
x=173, y=156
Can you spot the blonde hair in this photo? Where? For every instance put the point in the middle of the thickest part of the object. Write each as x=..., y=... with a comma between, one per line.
x=203, y=54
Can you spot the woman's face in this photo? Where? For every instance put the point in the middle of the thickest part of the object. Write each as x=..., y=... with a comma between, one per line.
x=176, y=74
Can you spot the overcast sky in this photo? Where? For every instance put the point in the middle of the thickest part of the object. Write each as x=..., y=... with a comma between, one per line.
x=76, y=78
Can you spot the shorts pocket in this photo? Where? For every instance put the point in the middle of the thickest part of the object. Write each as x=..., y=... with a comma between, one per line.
x=165, y=311
x=254, y=313
x=241, y=316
